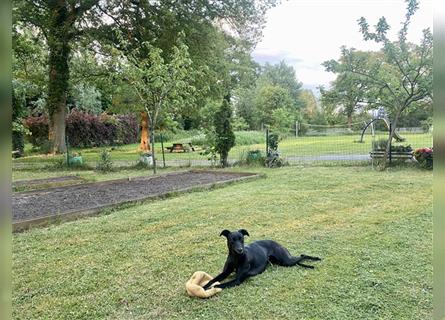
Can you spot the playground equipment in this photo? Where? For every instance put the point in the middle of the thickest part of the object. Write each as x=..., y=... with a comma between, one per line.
x=398, y=137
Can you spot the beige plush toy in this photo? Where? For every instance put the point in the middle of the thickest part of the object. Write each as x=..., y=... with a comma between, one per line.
x=195, y=285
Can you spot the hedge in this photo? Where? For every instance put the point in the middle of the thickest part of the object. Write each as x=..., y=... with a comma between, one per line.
x=87, y=130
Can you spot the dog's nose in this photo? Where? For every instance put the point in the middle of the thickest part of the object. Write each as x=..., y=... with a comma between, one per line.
x=239, y=251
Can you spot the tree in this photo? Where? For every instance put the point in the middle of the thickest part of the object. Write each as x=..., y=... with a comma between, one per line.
x=310, y=104
x=276, y=87
x=282, y=75
x=224, y=136
x=219, y=34
x=401, y=77
x=159, y=84
x=345, y=95
x=60, y=21
x=271, y=98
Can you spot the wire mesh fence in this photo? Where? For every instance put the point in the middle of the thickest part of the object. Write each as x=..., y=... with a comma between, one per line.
x=343, y=143
x=305, y=143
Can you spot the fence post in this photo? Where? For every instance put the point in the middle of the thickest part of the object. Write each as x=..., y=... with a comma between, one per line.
x=389, y=138
x=267, y=141
x=162, y=148
x=296, y=128
x=67, y=151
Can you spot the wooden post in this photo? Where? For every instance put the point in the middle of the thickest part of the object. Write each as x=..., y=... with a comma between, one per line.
x=389, y=141
x=162, y=147
x=153, y=147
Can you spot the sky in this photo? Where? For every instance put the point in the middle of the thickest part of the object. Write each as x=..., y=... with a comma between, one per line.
x=305, y=33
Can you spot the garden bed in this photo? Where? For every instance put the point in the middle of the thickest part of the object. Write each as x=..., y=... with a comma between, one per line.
x=31, y=208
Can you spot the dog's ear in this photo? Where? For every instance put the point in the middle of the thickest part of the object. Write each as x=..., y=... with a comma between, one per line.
x=224, y=233
x=243, y=232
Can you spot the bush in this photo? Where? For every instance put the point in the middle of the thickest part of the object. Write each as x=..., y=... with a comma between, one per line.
x=380, y=145
x=250, y=158
x=273, y=159
x=105, y=164
x=424, y=157
x=87, y=130
x=38, y=127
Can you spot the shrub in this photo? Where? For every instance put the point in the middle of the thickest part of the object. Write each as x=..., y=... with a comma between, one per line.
x=38, y=127
x=105, y=164
x=255, y=157
x=424, y=157
x=380, y=145
x=273, y=159
x=87, y=130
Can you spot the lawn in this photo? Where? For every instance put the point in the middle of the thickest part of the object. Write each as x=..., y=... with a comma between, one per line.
x=289, y=147
x=132, y=263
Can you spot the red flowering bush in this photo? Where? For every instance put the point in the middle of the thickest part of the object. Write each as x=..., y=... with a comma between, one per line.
x=87, y=130
x=424, y=157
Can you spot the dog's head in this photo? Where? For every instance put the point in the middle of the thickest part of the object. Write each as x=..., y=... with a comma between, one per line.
x=235, y=240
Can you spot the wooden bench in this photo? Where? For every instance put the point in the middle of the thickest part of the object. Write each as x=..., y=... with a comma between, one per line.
x=405, y=155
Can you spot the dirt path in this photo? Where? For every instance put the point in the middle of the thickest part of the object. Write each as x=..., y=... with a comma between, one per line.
x=91, y=197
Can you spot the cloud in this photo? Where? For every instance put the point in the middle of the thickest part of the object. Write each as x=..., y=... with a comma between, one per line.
x=275, y=56
x=305, y=33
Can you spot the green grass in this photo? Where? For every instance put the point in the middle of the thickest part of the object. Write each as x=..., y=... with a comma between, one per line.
x=88, y=175
x=289, y=147
x=372, y=229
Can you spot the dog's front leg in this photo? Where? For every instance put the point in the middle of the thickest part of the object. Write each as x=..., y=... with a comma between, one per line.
x=241, y=275
x=228, y=269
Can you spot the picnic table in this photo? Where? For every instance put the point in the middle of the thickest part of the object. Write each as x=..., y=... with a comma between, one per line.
x=180, y=147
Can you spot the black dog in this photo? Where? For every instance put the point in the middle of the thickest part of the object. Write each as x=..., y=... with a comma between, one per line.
x=252, y=259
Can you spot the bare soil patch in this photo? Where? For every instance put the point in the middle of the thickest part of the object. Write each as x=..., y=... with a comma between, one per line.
x=41, y=206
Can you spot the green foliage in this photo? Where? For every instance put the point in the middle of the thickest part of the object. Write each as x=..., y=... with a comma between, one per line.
x=380, y=145
x=345, y=95
x=399, y=76
x=276, y=90
x=244, y=138
x=239, y=123
x=310, y=103
x=224, y=136
x=255, y=157
x=87, y=98
x=272, y=142
x=105, y=164
x=282, y=75
x=273, y=159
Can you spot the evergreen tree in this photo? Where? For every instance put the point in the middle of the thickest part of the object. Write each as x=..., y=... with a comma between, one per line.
x=225, y=138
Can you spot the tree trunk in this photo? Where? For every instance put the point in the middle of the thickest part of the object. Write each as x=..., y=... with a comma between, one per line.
x=223, y=159
x=349, y=121
x=393, y=126
x=57, y=130
x=145, y=136
x=59, y=51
